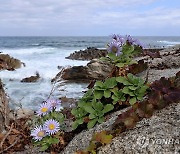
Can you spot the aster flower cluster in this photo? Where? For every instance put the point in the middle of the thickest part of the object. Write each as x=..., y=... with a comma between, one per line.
x=48, y=106
x=116, y=46
x=51, y=125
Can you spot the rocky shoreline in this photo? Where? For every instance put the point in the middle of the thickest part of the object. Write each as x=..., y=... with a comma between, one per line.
x=163, y=124
x=93, y=53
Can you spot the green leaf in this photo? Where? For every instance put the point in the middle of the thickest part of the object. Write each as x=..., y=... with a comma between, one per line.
x=81, y=104
x=110, y=82
x=44, y=147
x=88, y=108
x=100, y=114
x=115, y=89
x=112, y=56
x=80, y=121
x=108, y=108
x=120, y=79
x=115, y=98
x=123, y=80
x=104, y=59
x=143, y=89
x=97, y=106
x=99, y=84
x=120, y=64
x=98, y=94
x=75, y=125
x=126, y=90
x=139, y=98
x=74, y=111
x=107, y=93
x=132, y=101
x=133, y=62
x=130, y=76
x=123, y=98
x=54, y=140
x=91, y=123
x=132, y=87
x=128, y=49
x=58, y=116
x=101, y=120
x=92, y=116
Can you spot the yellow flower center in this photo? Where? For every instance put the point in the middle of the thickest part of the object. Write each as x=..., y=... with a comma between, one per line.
x=41, y=134
x=51, y=126
x=114, y=49
x=44, y=109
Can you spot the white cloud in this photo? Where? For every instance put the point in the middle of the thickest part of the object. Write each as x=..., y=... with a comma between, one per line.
x=31, y=14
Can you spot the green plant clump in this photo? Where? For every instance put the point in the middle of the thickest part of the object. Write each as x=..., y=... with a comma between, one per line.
x=134, y=87
x=92, y=107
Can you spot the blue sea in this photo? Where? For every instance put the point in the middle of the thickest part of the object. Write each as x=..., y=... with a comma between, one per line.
x=44, y=55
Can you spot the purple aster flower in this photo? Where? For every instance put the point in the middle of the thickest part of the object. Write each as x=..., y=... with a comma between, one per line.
x=44, y=109
x=115, y=37
x=119, y=39
x=115, y=47
x=38, y=133
x=53, y=102
x=129, y=39
x=138, y=43
x=51, y=126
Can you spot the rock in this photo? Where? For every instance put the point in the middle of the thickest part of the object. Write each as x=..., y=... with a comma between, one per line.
x=158, y=134
x=24, y=113
x=4, y=109
x=95, y=69
x=164, y=124
x=9, y=63
x=68, y=102
x=31, y=78
x=88, y=54
x=75, y=73
x=94, y=53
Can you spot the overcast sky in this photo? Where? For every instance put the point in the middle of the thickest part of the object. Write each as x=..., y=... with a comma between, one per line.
x=89, y=17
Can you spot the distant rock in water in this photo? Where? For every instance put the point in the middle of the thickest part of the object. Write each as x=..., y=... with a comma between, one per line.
x=88, y=54
x=95, y=69
x=31, y=78
x=9, y=63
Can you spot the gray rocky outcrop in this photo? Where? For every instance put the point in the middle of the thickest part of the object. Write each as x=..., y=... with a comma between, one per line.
x=95, y=69
x=88, y=54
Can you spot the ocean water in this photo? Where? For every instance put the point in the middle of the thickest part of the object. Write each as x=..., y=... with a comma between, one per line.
x=44, y=55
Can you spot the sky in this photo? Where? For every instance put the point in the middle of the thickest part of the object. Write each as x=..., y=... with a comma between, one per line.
x=89, y=17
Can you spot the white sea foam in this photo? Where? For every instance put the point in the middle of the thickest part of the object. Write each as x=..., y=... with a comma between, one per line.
x=44, y=61
x=169, y=42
